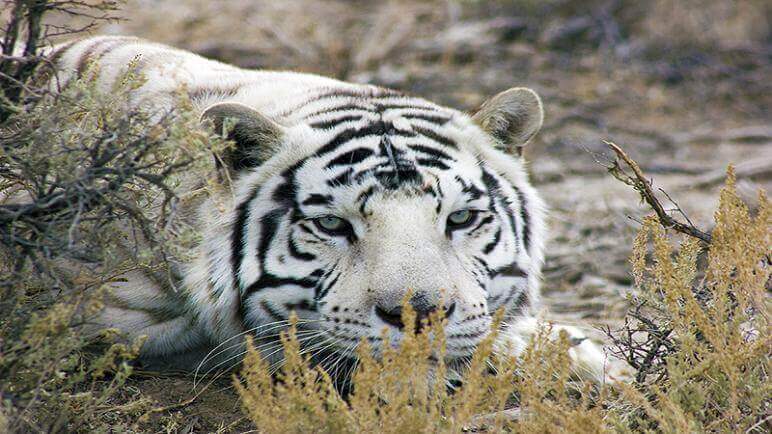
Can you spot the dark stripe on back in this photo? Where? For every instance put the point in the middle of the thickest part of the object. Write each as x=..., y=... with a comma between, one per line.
x=325, y=125
x=94, y=52
x=340, y=108
x=375, y=93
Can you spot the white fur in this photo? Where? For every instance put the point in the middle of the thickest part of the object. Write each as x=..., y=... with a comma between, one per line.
x=401, y=244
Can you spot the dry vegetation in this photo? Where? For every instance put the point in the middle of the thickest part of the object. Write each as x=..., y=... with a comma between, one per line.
x=684, y=86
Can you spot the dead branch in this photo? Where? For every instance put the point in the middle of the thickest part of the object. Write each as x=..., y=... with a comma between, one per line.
x=643, y=186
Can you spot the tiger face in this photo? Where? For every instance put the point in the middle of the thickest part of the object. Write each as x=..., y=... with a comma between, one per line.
x=360, y=197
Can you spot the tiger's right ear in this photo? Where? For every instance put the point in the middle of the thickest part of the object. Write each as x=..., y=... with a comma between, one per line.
x=256, y=137
x=511, y=117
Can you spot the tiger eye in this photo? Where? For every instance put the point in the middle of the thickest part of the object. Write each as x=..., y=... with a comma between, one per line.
x=331, y=223
x=460, y=217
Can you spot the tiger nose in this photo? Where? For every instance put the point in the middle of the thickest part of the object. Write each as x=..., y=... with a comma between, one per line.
x=423, y=309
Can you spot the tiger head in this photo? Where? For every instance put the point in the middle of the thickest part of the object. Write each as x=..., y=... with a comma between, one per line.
x=362, y=195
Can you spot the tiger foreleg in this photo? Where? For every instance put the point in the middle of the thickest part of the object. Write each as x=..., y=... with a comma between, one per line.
x=588, y=360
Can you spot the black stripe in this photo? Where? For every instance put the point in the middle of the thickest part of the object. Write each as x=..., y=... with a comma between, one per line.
x=351, y=157
x=326, y=125
x=285, y=192
x=350, y=134
x=526, y=218
x=430, y=162
x=378, y=128
x=434, y=152
x=57, y=54
x=297, y=253
x=367, y=93
x=440, y=197
x=275, y=314
x=384, y=107
x=341, y=108
x=469, y=188
x=94, y=52
x=492, y=245
x=269, y=224
x=522, y=299
x=494, y=189
x=364, y=197
x=237, y=237
x=306, y=305
x=318, y=199
x=429, y=189
x=490, y=273
x=438, y=120
x=268, y=280
x=485, y=221
x=325, y=288
x=310, y=231
x=435, y=136
x=511, y=270
x=342, y=179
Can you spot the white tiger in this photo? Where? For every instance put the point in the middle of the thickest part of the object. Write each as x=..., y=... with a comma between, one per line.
x=346, y=197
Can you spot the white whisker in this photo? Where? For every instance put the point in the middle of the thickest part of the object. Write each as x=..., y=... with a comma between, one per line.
x=259, y=331
x=307, y=335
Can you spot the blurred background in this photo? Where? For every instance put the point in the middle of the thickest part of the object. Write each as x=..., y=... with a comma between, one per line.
x=683, y=86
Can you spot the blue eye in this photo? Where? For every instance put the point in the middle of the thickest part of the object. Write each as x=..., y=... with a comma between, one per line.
x=333, y=225
x=461, y=219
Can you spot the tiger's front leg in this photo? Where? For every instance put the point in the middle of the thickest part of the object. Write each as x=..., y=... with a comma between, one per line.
x=588, y=360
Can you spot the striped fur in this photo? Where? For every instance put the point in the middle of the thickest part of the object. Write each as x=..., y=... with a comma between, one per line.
x=393, y=167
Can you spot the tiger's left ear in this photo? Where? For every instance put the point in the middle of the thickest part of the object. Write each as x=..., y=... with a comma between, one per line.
x=256, y=137
x=512, y=117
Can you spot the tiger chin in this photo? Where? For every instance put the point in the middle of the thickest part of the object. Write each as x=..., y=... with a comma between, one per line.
x=345, y=197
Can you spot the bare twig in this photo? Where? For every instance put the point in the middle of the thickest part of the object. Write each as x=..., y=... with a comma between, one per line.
x=643, y=186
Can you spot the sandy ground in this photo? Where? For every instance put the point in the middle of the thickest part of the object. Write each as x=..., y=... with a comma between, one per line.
x=683, y=120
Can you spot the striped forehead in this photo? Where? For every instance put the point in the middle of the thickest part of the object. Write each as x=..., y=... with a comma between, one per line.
x=394, y=152
x=352, y=187
x=333, y=107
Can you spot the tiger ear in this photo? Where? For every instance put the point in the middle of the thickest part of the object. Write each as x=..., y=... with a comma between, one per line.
x=256, y=137
x=512, y=117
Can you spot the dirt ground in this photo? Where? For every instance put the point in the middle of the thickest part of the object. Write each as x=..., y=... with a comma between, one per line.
x=684, y=88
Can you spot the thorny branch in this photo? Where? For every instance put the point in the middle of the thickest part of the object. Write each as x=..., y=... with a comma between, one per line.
x=643, y=186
